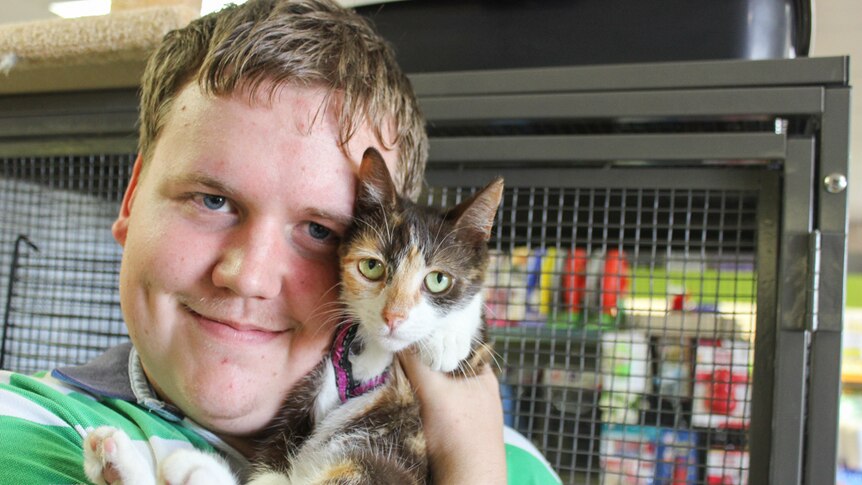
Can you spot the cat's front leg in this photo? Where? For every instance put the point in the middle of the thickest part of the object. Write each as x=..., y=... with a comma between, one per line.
x=194, y=467
x=445, y=348
x=445, y=351
x=108, y=450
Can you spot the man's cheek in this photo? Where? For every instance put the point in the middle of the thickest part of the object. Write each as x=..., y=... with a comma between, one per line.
x=317, y=281
x=325, y=277
x=181, y=255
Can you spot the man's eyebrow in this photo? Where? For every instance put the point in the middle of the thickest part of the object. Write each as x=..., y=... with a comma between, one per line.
x=344, y=220
x=202, y=179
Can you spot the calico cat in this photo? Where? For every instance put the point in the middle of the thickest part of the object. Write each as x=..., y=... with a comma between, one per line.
x=411, y=275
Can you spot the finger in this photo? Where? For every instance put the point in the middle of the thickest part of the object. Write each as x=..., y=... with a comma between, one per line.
x=416, y=370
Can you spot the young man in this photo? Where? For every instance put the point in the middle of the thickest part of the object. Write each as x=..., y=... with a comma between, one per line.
x=253, y=121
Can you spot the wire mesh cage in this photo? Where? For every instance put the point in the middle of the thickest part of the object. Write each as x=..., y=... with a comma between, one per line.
x=60, y=262
x=623, y=321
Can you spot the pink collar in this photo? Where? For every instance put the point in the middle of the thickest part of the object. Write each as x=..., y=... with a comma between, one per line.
x=348, y=387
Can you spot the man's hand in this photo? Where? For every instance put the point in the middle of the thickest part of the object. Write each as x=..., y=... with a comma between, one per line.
x=463, y=421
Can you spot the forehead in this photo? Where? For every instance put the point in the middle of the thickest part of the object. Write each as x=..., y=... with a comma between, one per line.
x=289, y=136
x=312, y=109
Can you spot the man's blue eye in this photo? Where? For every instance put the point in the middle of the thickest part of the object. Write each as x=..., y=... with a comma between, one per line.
x=214, y=202
x=318, y=232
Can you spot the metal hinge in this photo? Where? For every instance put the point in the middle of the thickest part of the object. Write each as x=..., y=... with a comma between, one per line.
x=812, y=291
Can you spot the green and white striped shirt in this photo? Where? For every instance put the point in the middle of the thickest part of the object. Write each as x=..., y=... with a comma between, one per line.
x=44, y=419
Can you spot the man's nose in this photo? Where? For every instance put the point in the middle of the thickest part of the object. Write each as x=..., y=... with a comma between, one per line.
x=252, y=263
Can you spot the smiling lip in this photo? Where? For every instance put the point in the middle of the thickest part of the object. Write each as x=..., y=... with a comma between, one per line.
x=235, y=332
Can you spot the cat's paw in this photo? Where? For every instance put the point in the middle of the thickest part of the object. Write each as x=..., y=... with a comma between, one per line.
x=444, y=352
x=194, y=467
x=111, y=457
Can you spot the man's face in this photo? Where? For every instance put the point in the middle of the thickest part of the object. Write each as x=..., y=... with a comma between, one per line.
x=229, y=275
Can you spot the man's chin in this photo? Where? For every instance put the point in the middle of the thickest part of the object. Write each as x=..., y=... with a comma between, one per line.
x=231, y=417
x=225, y=397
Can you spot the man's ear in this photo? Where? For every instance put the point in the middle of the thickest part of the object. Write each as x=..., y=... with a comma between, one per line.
x=120, y=229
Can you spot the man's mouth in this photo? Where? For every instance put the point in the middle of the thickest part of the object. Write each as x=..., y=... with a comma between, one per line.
x=225, y=328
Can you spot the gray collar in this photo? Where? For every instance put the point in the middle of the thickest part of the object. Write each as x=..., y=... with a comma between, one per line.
x=118, y=374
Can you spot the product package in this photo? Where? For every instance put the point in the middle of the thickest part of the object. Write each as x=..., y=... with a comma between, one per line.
x=628, y=454
x=672, y=381
x=722, y=384
x=677, y=457
x=726, y=467
x=625, y=374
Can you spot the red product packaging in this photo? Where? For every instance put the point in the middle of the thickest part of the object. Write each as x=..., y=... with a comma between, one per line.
x=574, y=280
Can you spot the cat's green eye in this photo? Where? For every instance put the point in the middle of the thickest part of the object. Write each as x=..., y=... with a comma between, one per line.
x=437, y=281
x=372, y=269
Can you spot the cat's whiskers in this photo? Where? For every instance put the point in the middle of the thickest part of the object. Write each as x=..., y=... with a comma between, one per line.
x=470, y=375
x=328, y=324
x=331, y=311
x=468, y=370
x=334, y=310
x=326, y=306
x=496, y=359
x=422, y=346
x=324, y=295
x=495, y=356
x=350, y=316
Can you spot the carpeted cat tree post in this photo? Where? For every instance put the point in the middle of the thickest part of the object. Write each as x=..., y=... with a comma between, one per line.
x=88, y=53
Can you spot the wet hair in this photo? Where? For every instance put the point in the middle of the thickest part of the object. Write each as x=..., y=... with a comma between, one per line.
x=270, y=44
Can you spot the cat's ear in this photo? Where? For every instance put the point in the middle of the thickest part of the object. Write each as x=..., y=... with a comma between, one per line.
x=375, y=188
x=476, y=215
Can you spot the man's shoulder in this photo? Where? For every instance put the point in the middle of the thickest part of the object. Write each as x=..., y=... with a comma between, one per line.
x=40, y=388
x=38, y=417
x=44, y=400
x=41, y=399
x=44, y=420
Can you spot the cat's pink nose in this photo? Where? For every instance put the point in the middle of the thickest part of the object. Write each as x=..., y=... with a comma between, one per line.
x=393, y=318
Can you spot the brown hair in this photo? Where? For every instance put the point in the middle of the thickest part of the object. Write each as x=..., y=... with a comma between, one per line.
x=276, y=42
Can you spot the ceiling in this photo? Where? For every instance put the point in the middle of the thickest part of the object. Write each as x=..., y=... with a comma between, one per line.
x=837, y=31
